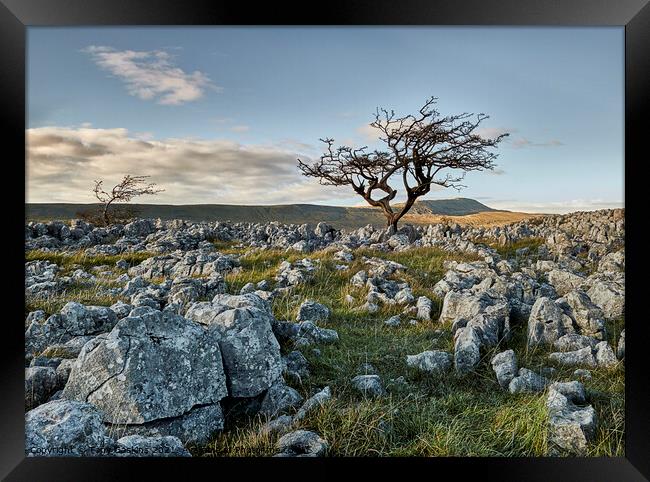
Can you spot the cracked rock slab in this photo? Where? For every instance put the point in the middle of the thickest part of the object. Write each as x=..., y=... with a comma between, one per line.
x=152, y=365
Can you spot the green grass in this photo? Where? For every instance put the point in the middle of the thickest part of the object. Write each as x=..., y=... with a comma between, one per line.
x=509, y=250
x=70, y=261
x=85, y=294
x=432, y=415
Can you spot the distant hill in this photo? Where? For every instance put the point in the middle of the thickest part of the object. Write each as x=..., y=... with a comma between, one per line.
x=423, y=212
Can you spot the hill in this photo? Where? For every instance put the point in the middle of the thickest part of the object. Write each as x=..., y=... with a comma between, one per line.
x=463, y=210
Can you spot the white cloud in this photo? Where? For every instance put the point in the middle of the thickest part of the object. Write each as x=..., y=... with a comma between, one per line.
x=368, y=133
x=62, y=163
x=523, y=142
x=559, y=207
x=493, y=132
x=151, y=75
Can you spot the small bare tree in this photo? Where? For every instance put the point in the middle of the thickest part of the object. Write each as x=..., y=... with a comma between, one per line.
x=418, y=148
x=128, y=188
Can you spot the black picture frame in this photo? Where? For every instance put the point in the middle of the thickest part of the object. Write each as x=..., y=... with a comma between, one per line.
x=634, y=15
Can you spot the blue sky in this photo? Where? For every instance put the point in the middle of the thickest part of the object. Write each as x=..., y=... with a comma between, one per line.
x=218, y=115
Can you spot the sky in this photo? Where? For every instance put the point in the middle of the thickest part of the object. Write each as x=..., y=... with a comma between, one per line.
x=220, y=114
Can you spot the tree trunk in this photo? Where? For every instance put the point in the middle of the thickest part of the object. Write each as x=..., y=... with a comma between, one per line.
x=106, y=219
x=391, y=224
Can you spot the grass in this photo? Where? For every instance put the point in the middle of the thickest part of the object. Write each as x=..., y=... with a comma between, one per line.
x=509, y=250
x=93, y=294
x=428, y=415
x=88, y=294
x=70, y=261
x=448, y=415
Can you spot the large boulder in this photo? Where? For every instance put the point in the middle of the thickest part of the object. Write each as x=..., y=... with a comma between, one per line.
x=242, y=326
x=66, y=428
x=194, y=427
x=152, y=365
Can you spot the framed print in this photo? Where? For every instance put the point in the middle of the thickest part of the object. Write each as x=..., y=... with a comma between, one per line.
x=378, y=234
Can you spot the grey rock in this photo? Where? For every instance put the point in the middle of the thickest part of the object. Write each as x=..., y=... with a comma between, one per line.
x=574, y=342
x=197, y=426
x=251, y=353
x=605, y=356
x=279, y=398
x=295, y=366
x=309, y=333
x=313, y=403
x=547, y=323
x=587, y=315
x=467, y=346
x=121, y=309
x=582, y=373
x=65, y=428
x=425, y=307
x=527, y=381
x=280, y=425
x=582, y=357
x=609, y=297
x=139, y=446
x=393, y=321
x=312, y=311
x=432, y=361
x=40, y=384
x=504, y=365
x=150, y=366
x=302, y=443
x=571, y=426
x=368, y=385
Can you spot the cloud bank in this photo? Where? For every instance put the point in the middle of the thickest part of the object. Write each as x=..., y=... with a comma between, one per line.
x=63, y=162
x=151, y=75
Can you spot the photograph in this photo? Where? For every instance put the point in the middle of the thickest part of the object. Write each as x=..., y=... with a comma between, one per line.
x=325, y=241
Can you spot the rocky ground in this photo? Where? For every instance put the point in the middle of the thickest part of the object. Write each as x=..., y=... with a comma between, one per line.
x=208, y=339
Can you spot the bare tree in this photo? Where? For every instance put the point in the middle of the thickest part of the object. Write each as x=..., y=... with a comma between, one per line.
x=128, y=188
x=418, y=148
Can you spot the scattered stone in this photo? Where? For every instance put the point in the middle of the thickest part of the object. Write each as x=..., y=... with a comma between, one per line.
x=393, y=321
x=571, y=425
x=311, y=311
x=314, y=402
x=368, y=385
x=425, y=307
x=527, y=381
x=433, y=361
x=582, y=357
x=504, y=365
x=301, y=443
x=605, y=356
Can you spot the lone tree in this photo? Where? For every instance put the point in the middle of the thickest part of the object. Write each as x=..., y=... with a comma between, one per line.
x=128, y=188
x=418, y=148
